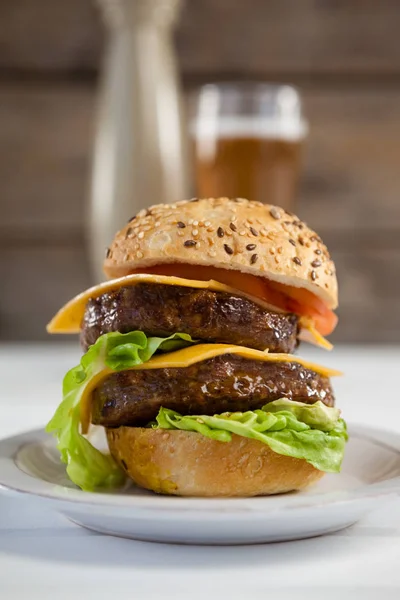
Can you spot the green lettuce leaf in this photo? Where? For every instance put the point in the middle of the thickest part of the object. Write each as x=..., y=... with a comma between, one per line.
x=87, y=467
x=313, y=432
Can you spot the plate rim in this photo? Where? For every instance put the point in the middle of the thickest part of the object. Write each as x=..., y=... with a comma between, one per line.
x=56, y=493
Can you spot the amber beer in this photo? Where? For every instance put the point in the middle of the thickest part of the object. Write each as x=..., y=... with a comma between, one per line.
x=248, y=165
x=247, y=140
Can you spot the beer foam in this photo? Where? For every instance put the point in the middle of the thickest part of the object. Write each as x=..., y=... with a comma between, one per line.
x=291, y=130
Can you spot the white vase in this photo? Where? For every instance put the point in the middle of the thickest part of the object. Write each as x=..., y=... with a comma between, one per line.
x=139, y=150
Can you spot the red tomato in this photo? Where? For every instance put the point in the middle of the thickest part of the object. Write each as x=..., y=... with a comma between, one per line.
x=303, y=302
x=288, y=298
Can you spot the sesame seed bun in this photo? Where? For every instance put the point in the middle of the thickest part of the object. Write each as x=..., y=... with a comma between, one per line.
x=184, y=463
x=244, y=235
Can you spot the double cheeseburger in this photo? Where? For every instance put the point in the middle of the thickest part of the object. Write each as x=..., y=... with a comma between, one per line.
x=188, y=358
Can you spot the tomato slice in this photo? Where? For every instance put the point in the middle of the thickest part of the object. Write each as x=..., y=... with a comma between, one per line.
x=250, y=284
x=305, y=303
x=287, y=298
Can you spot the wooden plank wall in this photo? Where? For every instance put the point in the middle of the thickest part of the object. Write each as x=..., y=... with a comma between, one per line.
x=345, y=56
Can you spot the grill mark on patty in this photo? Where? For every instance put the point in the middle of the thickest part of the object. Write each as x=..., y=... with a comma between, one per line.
x=214, y=317
x=224, y=383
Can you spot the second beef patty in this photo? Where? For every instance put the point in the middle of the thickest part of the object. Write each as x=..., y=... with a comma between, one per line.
x=160, y=310
x=224, y=383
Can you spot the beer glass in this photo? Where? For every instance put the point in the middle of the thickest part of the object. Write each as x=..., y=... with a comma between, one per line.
x=247, y=141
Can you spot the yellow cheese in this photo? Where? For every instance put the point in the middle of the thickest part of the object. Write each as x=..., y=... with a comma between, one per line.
x=200, y=352
x=69, y=317
x=85, y=405
x=308, y=333
x=194, y=354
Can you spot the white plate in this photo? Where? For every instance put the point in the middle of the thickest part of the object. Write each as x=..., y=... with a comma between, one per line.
x=29, y=464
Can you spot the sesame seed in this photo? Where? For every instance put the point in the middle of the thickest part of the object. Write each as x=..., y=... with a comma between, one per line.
x=129, y=231
x=313, y=238
x=195, y=232
x=250, y=221
x=277, y=260
x=189, y=243
x=272, y=250
x=201, y=223
x=233, y=226
x=263, y=232
x=229, y=232
x=157, y=224
x=181, y=225
x=274, y=212
x=242, y=232
x=190, y=222
x=220, y=232
x=108, y=252
x=195, y=223
x=142, y=213
x=318, y=251
x=254, y=231
x=181, y=233
x=280, y=250
x=207, y=223
x=300, y=240
x=194, y=200
x=297, y=260
x=212, y=253
x=251, y=247
x=253, y=258
x=139, y=254
x=141, y=235
x=292, y=242
x=313, y=275
x=316, y=263
x=228, y=249
x=132, y=219
x=210, y=229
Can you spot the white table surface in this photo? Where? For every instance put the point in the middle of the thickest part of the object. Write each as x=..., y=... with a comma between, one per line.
x=42, y=555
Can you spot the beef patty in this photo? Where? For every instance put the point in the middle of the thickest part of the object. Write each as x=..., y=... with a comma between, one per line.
x=160, y=310
x=224, y=383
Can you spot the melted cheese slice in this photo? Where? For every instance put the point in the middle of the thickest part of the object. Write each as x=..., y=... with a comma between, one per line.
x=198, y=353
x=69, y=318
x=308, y=333
x=191, y=355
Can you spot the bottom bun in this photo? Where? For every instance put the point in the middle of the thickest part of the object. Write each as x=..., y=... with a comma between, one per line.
x=184, y=463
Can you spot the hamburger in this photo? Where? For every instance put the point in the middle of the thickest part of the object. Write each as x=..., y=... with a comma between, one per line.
x=189, y=364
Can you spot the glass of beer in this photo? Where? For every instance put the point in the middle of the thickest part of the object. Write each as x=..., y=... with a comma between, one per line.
x=247, y=140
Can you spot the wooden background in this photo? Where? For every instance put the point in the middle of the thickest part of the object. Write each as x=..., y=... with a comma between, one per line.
x=344, y=55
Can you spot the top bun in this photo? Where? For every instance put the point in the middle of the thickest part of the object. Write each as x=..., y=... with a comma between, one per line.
x=248, y=236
